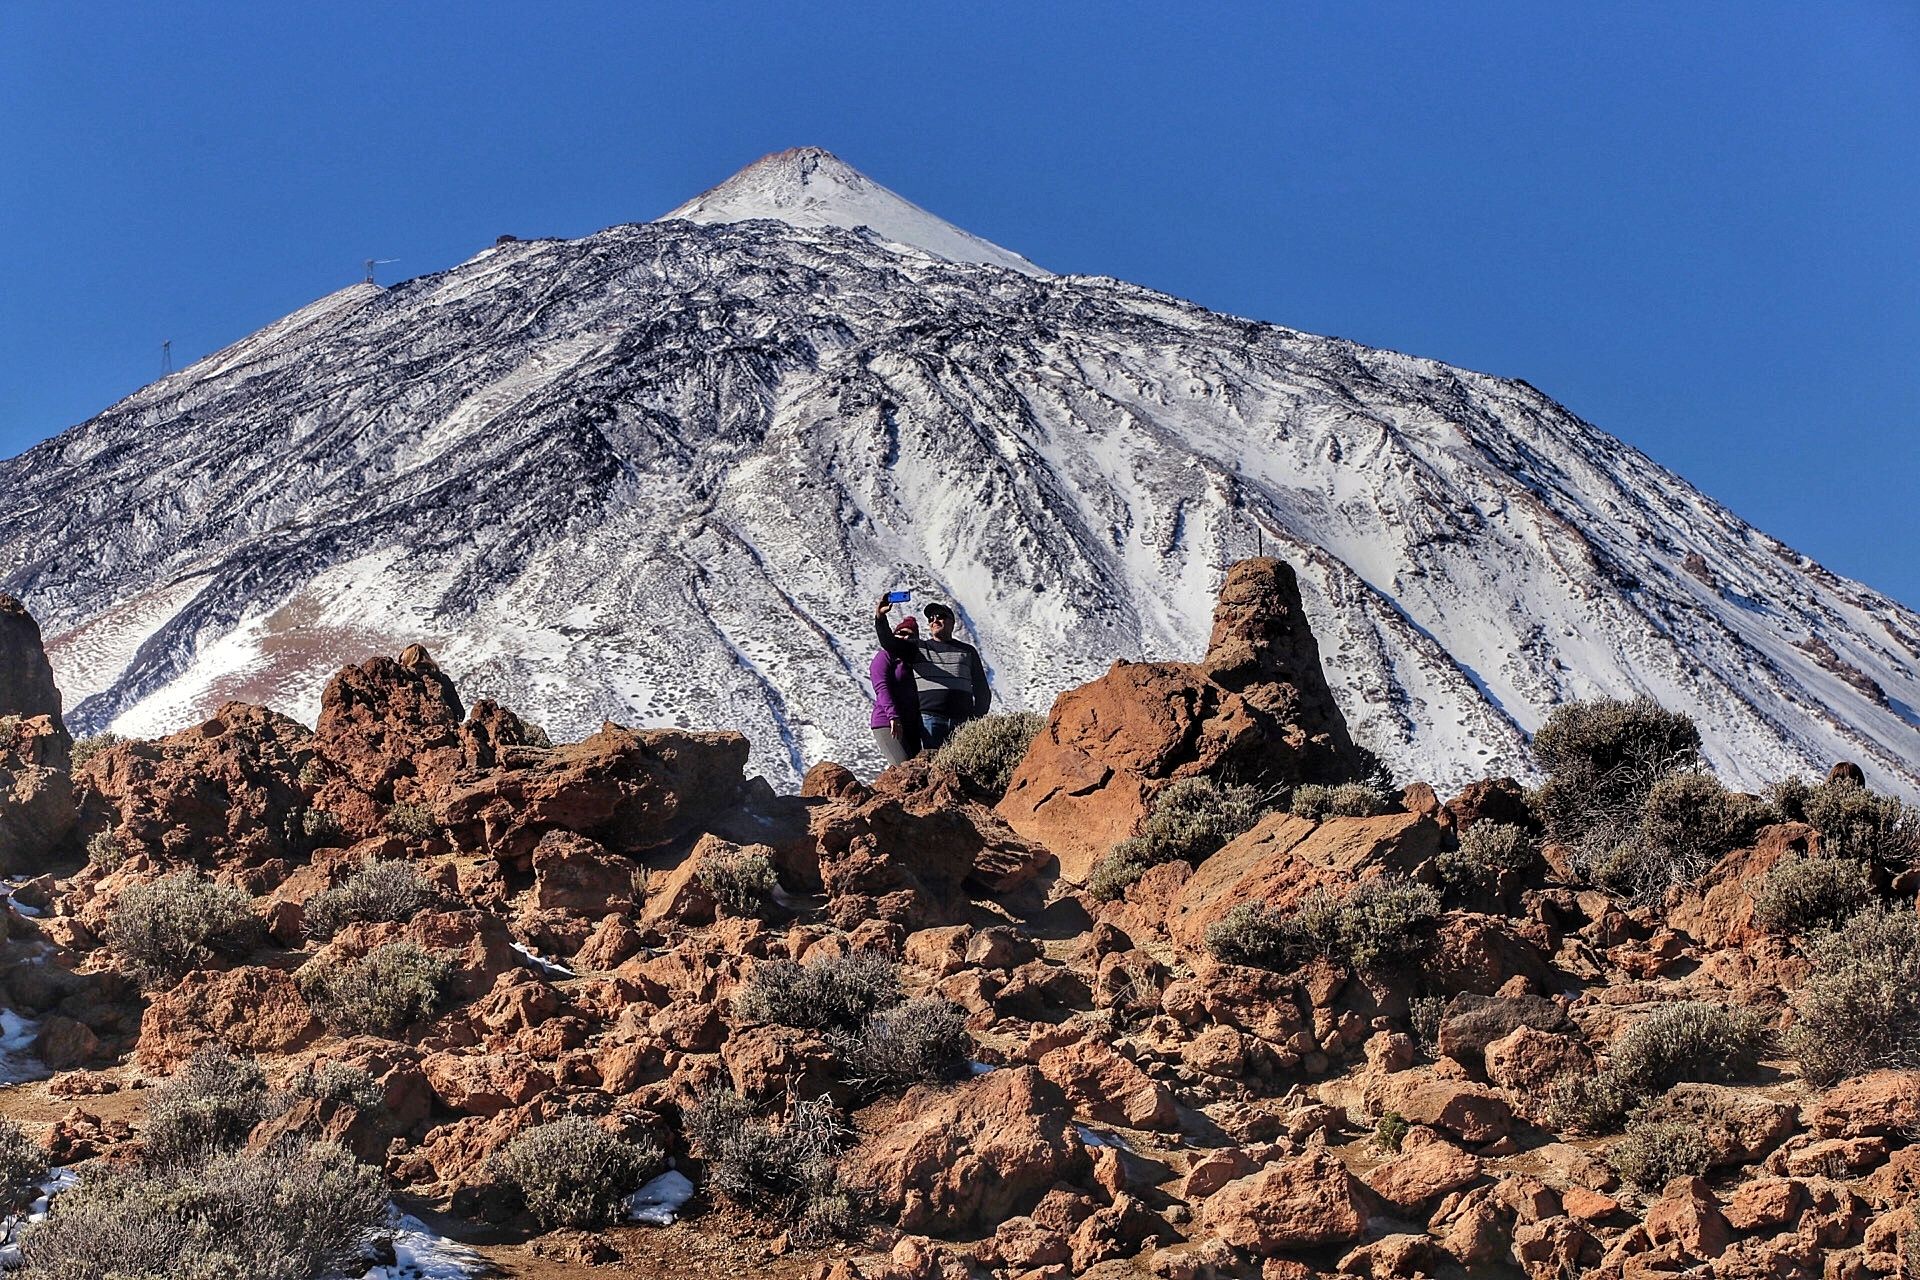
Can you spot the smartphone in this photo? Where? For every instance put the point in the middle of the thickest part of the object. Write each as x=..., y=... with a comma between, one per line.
x=899, y=597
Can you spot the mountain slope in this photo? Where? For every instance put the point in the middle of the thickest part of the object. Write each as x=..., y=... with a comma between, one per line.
x=658, y=473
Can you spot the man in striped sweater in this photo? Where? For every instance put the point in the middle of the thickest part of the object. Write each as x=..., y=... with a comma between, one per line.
x=948, y=675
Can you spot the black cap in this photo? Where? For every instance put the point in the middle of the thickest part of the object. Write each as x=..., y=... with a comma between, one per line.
x=938, y=610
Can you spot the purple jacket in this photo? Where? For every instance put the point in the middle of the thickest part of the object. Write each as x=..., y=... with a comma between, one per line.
x=893, y=691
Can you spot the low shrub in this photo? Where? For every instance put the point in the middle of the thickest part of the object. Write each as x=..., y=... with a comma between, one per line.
x=1802, y=895
x=290, y=1213
x=740, y=880
x=1655, y=1152
x=167, y=927
x=1423, y=1019
x=23, y=1167
x=1687, y=822
x=1860, y=1008
x=986, y=751
x=320, y=826
x=85, y=749
x=1598, y=1103
x=383, y=993
x=106, y=850
x=340, y=1082
x=786, y=1168
x=10, y=731
x=916, y=1041
x=1114, y=874
x=1391, y=1131
x=1348, y=800
x=1488, y=853
x=210, y=1105
x=573, y=1173
x=1188, y=820
x=313, y=774
x=1380, y=925
x=832, y=992
x=1688, y=1041
x=1853, y=821
x=375, y=891
x=414, y=821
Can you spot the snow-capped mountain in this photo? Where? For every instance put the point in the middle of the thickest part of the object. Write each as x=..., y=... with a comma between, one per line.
x=658, y=473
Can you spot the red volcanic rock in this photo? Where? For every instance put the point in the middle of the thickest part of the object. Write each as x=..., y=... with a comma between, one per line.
x=483, y=1084
x=1105, y=1086
x=362, y=1133
x=1422, y=1174
x=1883, y=1102
x=1689, y=1216
x=1470, y=1112
x=1491, y=800
x=1738, y=1127
x=830, y=781
x=946, y=1159
x=767, y=1063
x=1470, y=1022
x=1257, y=705
x=1284, y=858
x=493, y=736
x=36, y=793
x=628, y=790
x=573, y=873
x=1527, y=1061
x=1306, y=1202
x=252, y=1010
x=612, y=942
x=226, y=790
x=394, y=726
x=1717, y=910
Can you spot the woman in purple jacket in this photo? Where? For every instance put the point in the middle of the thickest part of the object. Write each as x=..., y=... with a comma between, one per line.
x=896, y=705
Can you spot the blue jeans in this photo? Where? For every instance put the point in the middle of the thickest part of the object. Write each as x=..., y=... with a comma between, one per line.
x=934, y=730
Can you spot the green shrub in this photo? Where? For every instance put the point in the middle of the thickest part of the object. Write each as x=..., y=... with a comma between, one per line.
x=1598, y=1103
x=1114, y=874
x=1695, y=821
x=320, y=826
x=740, y=880
x=10, y=731
x=1348, y=800
x=383, y=993
x=106, y=850
x=1860, y=1008
x=208, y=1106
x=831, y=992
x=1853, y=822
x=573, y=1173
x=986, y=751
x=1488, y=852
x=1655, y=1152
x=1688, y=1041
x=1602, y=758
x=414, y=821
x=339, y=1082
x=1380, y=925
x=313, y=774
x=167, y=927
x=23, y=1167
x=1391, y=1131
x=85, y=749
x=375, y=891
x=785, y=1168
x=916, y=1041
x=290, y=1213
x=1423, y=1018
x=1801, y=895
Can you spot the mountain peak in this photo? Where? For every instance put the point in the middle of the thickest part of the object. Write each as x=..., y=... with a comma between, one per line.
x=812, y=187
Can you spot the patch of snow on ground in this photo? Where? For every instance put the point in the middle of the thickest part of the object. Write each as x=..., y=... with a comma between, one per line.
x=421, y=1253
x=660, y=1201
x=552, y=968
x=57, y=1180
x=17, y=1063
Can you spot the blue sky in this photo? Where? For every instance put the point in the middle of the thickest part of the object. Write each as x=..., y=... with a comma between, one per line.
x=1697, y=224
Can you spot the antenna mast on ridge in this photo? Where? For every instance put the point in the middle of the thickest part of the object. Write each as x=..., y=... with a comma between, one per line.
x=166, y=357
x=377, y=262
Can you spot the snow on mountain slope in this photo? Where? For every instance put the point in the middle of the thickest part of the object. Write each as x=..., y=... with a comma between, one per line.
x=808, y=187
x=657, y=474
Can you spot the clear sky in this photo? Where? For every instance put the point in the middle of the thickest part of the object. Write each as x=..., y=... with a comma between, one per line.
x=1695, y=224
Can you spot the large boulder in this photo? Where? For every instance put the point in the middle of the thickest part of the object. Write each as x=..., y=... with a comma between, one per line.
x=393, y=724
x=36, y=791
x=1307, y=1202
x=970, y=1156
x=253, y=1010
x=1256, y=706
x=630, y=790
x=1284, y=858
x=1717, y=910
x=225, y=790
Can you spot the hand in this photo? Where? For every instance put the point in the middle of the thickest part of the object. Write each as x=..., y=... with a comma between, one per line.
x=883, y=608
x=893, y=727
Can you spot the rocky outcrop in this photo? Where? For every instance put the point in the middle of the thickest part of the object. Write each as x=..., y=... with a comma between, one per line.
x=393, y=724
x=630, y=790
x=36, y=791
x=1256, y=707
